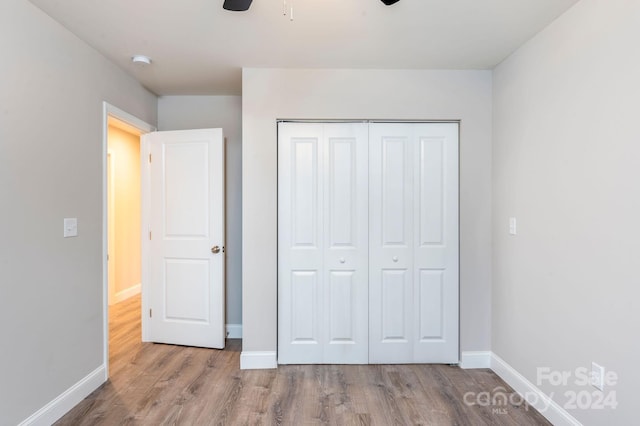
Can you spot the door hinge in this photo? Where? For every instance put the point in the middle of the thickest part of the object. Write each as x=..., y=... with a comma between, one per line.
x=149, y=234
x=149, y=157
x=150, y=313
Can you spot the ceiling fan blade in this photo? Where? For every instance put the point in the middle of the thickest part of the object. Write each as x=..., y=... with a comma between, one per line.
x=238, y=5
x=390, y=2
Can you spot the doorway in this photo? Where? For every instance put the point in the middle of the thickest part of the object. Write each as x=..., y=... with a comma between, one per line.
x=122, y=234
x=123, y=207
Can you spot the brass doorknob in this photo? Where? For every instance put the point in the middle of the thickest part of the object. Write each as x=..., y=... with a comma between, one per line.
x=215, y=249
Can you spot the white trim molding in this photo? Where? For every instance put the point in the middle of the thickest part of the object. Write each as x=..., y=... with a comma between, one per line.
x=258, y=360
x=553, y=412
x=57, y=408
x=234, y=331
x=475, y=359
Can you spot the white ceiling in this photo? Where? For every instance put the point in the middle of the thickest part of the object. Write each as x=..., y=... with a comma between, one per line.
x=199, y=48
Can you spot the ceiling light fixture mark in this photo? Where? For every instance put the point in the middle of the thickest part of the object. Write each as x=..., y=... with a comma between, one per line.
x=141, y=60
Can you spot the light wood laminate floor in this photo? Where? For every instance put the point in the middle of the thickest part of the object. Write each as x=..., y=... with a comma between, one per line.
x=154, y=384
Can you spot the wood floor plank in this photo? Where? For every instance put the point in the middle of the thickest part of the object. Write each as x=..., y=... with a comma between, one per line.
x=156, y=384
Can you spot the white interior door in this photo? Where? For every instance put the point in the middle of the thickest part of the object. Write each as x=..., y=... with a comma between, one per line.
x=413, y=253
x=185, y=282
x=323, y=243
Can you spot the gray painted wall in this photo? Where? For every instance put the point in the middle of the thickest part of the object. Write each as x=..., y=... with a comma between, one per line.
x=269, y=94
x=564, y=159
x=197, y=112
x=51, y=93
x=566, y=164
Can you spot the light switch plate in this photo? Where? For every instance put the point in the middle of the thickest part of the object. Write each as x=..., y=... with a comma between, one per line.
x=70, y=227
x=513, y=230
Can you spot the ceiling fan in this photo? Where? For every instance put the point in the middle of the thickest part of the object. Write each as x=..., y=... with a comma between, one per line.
x=242, y=5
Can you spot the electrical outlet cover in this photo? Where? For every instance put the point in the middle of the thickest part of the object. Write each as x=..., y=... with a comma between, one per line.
x=597, y=376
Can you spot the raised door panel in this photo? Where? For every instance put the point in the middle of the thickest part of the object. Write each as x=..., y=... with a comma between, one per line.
x=304, y=192
x=394, y=186
x=342, y=192
x=186, y=190
x=342, y=300
x=430, y=305
x=186, y=290
x=430, y=191
x=395, y=304
x=305, y=305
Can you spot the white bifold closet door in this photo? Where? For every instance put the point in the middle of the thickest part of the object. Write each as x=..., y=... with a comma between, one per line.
x=367, y=243
x=323, y=243
x=413, y=243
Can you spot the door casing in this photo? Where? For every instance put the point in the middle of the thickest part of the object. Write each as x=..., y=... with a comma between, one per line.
x=143, y=127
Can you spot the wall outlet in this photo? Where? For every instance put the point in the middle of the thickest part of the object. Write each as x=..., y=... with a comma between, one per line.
x=512, y=226
x=597, y=376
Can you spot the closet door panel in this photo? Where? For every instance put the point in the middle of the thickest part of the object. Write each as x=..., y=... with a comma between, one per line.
x=346, y=243
x=322, y=243
x=413, y=234
x=390, y=243
x=436, y=246
x=300, y=244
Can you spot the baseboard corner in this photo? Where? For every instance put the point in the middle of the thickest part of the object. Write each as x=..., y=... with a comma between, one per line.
x=475, y=359
x=258, y=360
x=234, y=331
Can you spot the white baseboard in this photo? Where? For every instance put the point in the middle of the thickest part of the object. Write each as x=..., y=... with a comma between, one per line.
x=125, y=294
x=258, y=360
x=475, y=359
x=234, y=331
x=57, y=408
x=553, y=412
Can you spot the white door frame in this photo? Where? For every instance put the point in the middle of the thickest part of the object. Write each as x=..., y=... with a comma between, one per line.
x=111, y=202
x=109, y=110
